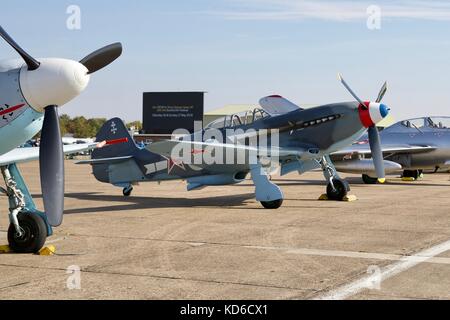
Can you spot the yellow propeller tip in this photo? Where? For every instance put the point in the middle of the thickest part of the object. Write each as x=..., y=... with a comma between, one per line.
x=382, y=181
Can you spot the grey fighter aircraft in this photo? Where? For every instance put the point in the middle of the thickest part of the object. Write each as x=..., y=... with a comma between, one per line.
x=306, y=139
x=411, y=146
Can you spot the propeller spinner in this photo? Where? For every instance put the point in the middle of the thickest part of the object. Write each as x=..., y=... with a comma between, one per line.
x=46, y=85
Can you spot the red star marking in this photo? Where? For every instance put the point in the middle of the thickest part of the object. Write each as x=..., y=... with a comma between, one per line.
x=194, y=152
x=12, y=109
x=363, y=142
x=172, y=163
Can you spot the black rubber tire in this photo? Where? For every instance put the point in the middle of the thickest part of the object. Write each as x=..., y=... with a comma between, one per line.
x=127, y=192
x=341, y=190
x=369, y=180
x=272, y=205
x=34, y=237
x=415, y=174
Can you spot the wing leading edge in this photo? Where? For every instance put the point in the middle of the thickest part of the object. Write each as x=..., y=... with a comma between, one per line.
x=22, y=155
x=387, y=150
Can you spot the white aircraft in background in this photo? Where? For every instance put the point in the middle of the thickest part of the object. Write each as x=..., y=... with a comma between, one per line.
x=70, y=140
x=31, y=91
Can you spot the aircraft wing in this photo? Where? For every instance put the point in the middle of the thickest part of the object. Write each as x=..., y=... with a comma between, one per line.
x=21, y=155
x=364, y=149
x=167, y=148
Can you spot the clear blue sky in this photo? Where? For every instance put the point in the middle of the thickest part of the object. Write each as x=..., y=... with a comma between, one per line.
x=241, y=50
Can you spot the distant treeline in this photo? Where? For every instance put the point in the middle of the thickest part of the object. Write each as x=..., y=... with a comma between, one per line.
x=80, y=127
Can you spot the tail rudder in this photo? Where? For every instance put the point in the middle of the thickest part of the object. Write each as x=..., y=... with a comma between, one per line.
x=119, y=141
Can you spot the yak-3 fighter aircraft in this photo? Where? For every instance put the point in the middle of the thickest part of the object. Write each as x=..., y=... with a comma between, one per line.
x=411, y=146
x=31, y=91
x=306, y=139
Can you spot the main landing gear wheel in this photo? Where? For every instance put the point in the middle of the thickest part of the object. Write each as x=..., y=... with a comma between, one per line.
x=338, y=190
x=34, y=234
x=127, y=191
x=414, y=174
x=369, y=180
x=272, y=204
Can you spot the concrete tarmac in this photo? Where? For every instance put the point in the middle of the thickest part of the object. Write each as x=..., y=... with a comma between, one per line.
x=218, y=243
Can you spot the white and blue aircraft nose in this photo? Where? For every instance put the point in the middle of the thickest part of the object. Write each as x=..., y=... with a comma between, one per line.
x=378, y=112
x=384, y=110
x=373, y=113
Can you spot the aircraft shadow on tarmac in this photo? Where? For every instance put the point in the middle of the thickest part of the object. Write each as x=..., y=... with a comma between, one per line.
x=359, y=182
x=231, y=201
x=397, y=182
x=136, y=202
x=121, y=203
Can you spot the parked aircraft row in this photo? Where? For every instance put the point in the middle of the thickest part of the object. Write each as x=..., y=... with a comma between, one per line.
x=323, y=137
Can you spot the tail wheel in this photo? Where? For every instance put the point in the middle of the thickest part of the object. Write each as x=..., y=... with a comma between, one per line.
x=34, y=234
x=369, y=180
x=338, y=190
x=127, y=191
x=272, y=205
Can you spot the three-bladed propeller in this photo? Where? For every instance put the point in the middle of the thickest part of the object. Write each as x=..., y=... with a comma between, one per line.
x=51, y=157
x=374, y=135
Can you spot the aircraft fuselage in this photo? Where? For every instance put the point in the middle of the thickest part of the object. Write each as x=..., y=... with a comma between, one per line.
x=19, y=122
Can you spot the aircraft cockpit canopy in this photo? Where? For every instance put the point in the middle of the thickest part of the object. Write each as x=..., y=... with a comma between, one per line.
x=423, y=124
x=239, y=119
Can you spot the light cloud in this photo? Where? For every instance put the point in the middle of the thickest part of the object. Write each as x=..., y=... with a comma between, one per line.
x=331, y=10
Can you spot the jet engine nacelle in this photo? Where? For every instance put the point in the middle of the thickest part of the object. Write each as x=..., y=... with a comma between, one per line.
x=216, y=180
x=365, y=166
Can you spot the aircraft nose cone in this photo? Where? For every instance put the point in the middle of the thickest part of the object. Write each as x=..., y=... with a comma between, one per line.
x=384, y=110
x=81, y=77
x=56, y=82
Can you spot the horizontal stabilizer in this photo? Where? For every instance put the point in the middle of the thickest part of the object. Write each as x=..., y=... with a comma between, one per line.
x=105, y=160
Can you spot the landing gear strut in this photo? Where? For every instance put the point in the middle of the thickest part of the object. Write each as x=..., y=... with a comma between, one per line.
x=268, y=193
x=337, y=188
x=28, y=228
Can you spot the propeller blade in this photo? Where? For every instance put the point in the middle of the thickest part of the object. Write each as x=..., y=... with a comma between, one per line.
x=377, y=154
x=350, y=90
x=383, y=91
x=32, y=63
x=51, y=161
x=102, y=57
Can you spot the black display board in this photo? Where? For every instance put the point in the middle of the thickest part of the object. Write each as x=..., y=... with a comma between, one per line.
x=165, y=112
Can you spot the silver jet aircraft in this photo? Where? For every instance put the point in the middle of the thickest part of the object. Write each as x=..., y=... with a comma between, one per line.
x=410, y=146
